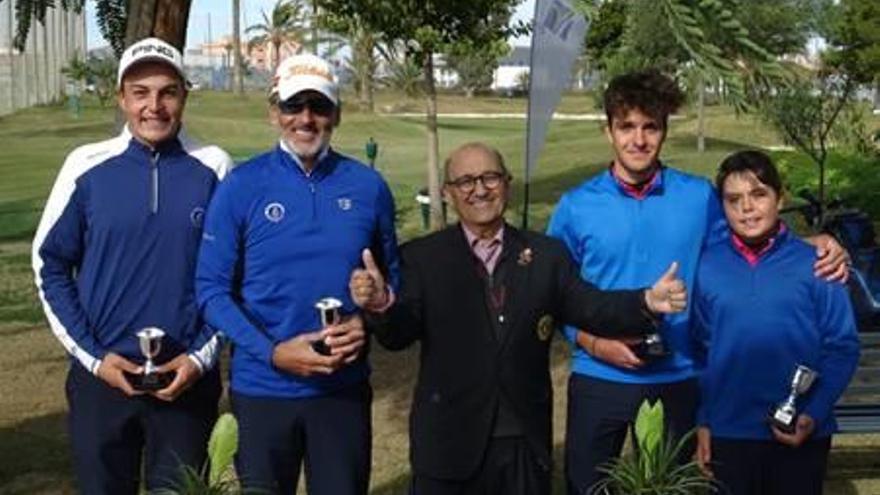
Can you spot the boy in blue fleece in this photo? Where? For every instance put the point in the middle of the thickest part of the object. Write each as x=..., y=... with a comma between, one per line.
x=759, y=313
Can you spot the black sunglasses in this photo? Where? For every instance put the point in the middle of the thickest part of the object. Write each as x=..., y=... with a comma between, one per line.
x=317, y=104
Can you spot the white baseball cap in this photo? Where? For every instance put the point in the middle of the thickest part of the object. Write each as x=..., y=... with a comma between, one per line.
x=150, y=50
x=305, y=72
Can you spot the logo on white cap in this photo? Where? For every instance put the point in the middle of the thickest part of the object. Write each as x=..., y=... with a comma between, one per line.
x=306, y=72
x=150, y=50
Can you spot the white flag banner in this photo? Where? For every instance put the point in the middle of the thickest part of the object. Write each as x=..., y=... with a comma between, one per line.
x=557, y=40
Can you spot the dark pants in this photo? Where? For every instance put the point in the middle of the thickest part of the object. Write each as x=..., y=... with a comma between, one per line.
x=112, y=433
x=601, y=412
x=508, y=468
x=767, y=467
x=331, y=434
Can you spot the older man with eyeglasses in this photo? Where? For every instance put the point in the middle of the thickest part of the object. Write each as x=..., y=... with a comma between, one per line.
x=484, y=298
x=283, y=233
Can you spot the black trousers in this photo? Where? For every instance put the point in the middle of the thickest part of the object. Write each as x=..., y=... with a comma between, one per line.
x=508, y=468
x=330, y=434
x=767, y=467
x=111, y=434
x=600, y=413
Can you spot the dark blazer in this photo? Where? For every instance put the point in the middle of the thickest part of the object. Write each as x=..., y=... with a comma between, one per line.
x=464, y=366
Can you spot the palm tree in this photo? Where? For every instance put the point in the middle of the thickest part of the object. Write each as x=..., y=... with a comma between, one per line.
x=78, y=71
x=237, y=69
x=286, y=24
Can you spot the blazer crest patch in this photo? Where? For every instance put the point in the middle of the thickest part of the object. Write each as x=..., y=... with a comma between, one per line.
x=545, y=327
x=525, y=257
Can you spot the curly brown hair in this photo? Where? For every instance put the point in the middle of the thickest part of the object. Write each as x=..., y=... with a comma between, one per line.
x=649, y=91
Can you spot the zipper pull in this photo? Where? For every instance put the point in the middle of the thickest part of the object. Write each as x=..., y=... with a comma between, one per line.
x=154, y=180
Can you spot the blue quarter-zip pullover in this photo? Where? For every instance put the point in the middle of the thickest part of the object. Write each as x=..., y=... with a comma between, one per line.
x=276, y=241
x=757, y=323
x=621, y=242
x=116, y=246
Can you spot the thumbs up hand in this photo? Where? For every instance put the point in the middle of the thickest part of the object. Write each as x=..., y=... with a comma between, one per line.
x=367, y=285
x=668, y=295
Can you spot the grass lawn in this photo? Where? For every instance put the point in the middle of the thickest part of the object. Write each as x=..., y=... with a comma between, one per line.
x=33, y=443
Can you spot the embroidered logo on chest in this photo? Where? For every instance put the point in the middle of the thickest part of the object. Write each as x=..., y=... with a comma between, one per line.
x=274, y=212
x=197, y=217
x=344, y=203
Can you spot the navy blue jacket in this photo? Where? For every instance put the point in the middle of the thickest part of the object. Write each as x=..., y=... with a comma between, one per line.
x=116, y=247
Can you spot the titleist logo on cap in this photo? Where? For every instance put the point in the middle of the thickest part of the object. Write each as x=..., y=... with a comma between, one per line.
x=308, y=70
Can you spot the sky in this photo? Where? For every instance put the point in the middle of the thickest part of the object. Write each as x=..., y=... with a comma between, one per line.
x=217, y=14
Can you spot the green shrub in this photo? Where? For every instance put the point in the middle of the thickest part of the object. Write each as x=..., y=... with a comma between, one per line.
x=220, y=479
x=852, y=177
x=653, y=467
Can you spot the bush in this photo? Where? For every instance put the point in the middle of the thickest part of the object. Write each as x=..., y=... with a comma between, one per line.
x=653, y=468
x=852, y=177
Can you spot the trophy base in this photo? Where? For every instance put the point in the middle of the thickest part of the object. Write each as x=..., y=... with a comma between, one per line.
x=782, y=421
x=321, y=348
x=151, y=382
x=650, y=352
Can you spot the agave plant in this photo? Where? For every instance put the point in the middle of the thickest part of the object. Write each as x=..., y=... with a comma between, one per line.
x=219, y=479
x=653, y=468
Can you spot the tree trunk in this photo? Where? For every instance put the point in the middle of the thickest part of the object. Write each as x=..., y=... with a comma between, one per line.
x=276, y=56
x=238, y=72
x=364, y=90
x=365, y=44
x=877, y=94
x=371, y=104
x=438, y=220
x=701, y=114
x=164, y=19
x=313, y=23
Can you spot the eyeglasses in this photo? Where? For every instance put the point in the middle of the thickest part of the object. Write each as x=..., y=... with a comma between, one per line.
x=467, y=183
x=318, y=105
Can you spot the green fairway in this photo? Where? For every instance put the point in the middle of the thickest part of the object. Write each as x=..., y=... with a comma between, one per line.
x=35, y=142
x=33, y=443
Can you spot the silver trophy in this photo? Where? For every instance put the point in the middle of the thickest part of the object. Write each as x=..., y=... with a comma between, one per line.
x=784, y=415
x=150, y=341
x=651, y=348
x=328, y=313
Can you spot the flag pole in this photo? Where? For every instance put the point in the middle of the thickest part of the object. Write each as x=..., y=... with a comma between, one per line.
x=527, y=176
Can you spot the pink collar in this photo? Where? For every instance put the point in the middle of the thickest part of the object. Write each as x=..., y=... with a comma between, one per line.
x=753, y=254
x=641, y=191
x=486, y=250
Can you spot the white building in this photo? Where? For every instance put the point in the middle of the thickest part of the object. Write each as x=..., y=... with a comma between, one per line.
x=34, y=76
x=511, y=69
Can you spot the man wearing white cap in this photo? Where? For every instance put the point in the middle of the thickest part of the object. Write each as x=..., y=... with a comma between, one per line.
x=114, y=254
x=283, y=233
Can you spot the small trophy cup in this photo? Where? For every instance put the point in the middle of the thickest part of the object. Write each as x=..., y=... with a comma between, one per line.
x=652, y=348
x=328, y=314
x=784, y=415
x=150, y=340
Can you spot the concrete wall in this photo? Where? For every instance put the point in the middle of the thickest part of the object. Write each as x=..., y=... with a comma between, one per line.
x=33, y=76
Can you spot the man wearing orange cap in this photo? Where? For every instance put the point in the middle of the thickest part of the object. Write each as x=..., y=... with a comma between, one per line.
x=282, y=235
